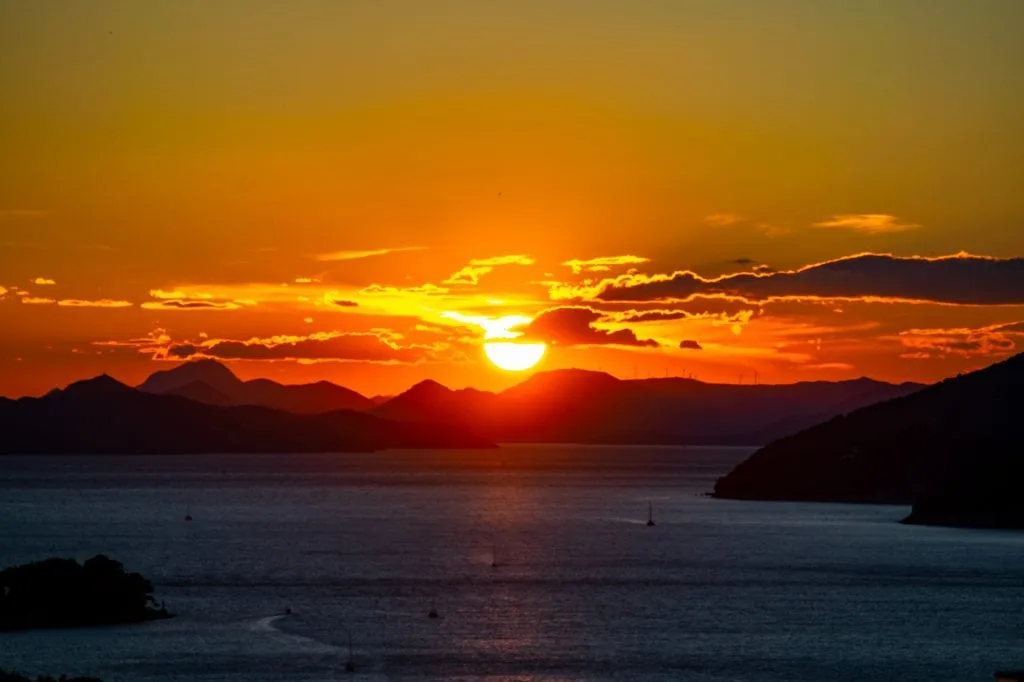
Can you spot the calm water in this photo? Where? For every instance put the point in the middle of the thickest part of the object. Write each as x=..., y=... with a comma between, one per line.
x=584, y=590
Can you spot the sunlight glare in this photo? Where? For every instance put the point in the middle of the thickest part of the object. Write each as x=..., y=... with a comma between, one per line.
x=512, y=356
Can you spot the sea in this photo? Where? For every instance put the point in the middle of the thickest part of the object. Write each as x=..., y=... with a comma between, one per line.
x=537, y=559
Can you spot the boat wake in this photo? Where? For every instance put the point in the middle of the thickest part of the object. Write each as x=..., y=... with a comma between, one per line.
x=622, y=519
x=369, y=671
x=287, y=640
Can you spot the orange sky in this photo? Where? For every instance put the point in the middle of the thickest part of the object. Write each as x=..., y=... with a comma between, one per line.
x=350, y=191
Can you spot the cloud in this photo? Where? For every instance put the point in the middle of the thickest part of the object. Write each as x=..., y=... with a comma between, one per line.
x=24, y=213
x=43, y=281
x=728, y=219
x=1014, y=328
x=752, y=265
x=154, y=343
x=722, y=219
x=774, y=231
x=517, y=259
x=376, y=347
x=180, y=300
x=662, y=315
x=962, y=279
x=572, y=326
x=61, y=245
x=36, y=300
x=368, y=253
x=826, y=366
x=178, y=295
x=994, y=340
x=335, y=298
x=190, y=305
x=869, y=223
x=690, y=344
x=603, y=263
x=100, y=303
x=479, y=267
x=504, y=327
x=381, y=290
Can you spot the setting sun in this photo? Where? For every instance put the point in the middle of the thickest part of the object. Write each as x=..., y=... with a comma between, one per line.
x=512, y=356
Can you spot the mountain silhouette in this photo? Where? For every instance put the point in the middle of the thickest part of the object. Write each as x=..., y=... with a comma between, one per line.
x=222, y=387
x=102, y=415
x=951, y=449
x=579, y=406
x=202, y=392
x=429, y=401
x=103, y=386
x=202, y=406
x=210, y=372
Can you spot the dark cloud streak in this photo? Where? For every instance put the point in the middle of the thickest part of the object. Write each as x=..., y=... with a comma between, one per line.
x=962, y=279
x=572, y=326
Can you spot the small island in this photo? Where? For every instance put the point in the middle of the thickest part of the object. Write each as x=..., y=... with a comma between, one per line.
x=12, y=676
x=61, y=593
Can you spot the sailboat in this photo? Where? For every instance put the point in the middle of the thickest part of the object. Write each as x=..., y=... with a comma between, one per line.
x=432, y=613
x=188, y=512
x=494, y=557
x=350, y=664
x=650, y=514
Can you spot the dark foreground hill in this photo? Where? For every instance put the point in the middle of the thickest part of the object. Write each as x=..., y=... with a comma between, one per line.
x=577, y=406
x=102, y=415
x=61, y=593
x=953, y=450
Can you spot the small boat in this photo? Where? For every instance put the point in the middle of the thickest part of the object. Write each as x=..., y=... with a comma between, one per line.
x=650, y=514
x=288, y=611
x=494, y=557
x=188, y=512
x=432, y=613
x=350, y=664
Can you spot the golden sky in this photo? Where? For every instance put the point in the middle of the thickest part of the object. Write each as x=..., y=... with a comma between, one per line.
x=356, y=191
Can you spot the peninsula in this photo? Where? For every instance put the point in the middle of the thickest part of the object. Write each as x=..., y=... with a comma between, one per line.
x=951, y=450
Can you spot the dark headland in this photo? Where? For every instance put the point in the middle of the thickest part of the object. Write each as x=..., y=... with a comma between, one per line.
x=952, y=450
x=61, y=593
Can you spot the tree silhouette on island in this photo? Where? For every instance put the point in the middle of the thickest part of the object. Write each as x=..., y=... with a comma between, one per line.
x=61, y=593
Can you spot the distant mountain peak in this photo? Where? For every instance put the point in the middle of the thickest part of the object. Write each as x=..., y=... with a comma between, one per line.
x=210, y=372
x=428, y=387
x=565, y=379
x=101, y=385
